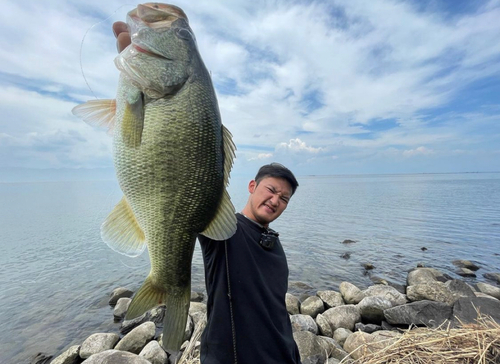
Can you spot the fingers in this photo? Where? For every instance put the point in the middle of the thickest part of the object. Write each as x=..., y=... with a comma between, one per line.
x=121, y=32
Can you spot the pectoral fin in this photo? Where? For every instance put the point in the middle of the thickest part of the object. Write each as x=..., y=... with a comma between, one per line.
x=121, y=231
x=133, y=120
x=97, y=113
x=223, y=226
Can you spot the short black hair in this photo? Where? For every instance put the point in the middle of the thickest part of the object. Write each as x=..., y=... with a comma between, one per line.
x=277, y=170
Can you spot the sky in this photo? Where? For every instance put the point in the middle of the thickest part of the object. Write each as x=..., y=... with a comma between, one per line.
x=324, y=87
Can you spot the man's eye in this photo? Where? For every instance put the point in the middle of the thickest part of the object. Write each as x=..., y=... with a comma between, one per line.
x=284, y=199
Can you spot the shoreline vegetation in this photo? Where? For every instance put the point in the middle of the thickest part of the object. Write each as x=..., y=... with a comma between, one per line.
x=432, y=319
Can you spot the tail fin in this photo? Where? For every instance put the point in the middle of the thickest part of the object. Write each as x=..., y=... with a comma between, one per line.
x=147, y=297
x=174, y=323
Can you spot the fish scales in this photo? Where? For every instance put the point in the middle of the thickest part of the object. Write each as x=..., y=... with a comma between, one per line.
x=172, y=157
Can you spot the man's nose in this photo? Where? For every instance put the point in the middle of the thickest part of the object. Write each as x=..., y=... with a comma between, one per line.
x=275, y=200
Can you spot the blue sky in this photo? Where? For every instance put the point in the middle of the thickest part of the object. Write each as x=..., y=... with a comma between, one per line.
x=324, y=87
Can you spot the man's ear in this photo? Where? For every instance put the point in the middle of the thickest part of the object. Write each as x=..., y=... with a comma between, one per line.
x=251, y=186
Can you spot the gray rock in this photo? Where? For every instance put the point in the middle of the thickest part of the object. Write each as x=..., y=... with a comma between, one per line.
x=372, y=309
x=197, y=296
x=70, y=356
x=340, y=335
x=189, y=328
x=489, y=289
x=348, y=241
x=116, y=357
x=425, y=275
x=332, y=348
x=387, y=292
x=324, y=327
x=310, y=350
x=459, y=289
x=428, y=313
x=481, y=294
x=343, y=316
x=369, y=328
x=312, y=306
x=137, y=339
x=466, y=309
x=119, y=293
x=155, y=315
x=465, y=264
x=154, y=353
x=432, y=291
x=303, y=323
x=41, y=358
x=97, y=343
x=350, y=293
x=198, y=312
x=464, y=272
x=121, y=307
x=360, y=343
x=495, y=277
x=292, y=304
x=331, y=298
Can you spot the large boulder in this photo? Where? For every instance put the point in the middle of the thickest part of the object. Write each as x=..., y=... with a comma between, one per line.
x=387, y=292
x=489, y=289
x=292, y=304
x=350, y=293
x=116, y=357
x=118, y=293
x=137, y=339
x=312, y=306
x=311, y=352
x=331, y=298
x=303, y=323
x=466, y=309
x=425, y=275
x=154, y=353
x=70, y=356
x=432, y=291
x=340, y=335
x=459, y=289
x=360, y=343
x=428, y=313
x=343, y=316
x=97, y=343
x=372, y=309
x=324, y=327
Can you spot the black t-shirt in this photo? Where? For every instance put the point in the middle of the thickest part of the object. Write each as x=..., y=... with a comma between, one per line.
x=259, y=281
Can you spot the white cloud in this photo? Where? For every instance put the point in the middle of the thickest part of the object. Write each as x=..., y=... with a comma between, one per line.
x=417, y=151
x=297, y=146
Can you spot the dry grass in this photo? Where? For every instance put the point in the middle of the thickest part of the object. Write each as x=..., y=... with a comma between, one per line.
x=470, y=343
x=191, y=354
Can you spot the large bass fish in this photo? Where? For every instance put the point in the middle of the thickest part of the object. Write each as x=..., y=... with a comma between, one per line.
x=172, y=157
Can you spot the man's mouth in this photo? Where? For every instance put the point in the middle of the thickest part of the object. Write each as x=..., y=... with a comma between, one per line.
x=270, y=208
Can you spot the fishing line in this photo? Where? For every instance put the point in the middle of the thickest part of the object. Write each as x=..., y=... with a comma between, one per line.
x=83, y=40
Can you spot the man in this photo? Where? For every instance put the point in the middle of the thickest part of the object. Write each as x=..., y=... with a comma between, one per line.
x=247, y=275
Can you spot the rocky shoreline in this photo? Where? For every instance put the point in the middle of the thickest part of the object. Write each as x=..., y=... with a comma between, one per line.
x=329, y=327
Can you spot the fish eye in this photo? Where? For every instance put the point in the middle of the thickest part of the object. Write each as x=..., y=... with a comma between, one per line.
x=184, y=33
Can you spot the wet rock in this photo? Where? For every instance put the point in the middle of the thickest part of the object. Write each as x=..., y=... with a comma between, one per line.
x=292, y=304
x=465, y=264
x=387, y=292
x=70, y=356
x=331, y=298
x=348, y=241
x=332, y=348
x=312, y=306
x=369, y=328
x=425, y=275
x=300, y=288
x=340, y=335
x=96, y=343
x=489, y=290
x=372, y=309
x=310, y=350
x=433, y=291
x=154, y=315
x=464, y=272
x=466, y=309
x=428, y=313
x=368, y=266
x=495, y=277
x=324, y=327
x=350, y=293
x=342, y=316
x=41, y=358
x=303, y=323
x=121, y=308
x=119, y=293
x=116, y=357
x=345, y=256
x=154, y=353
x=137, y=339
x=459, y=289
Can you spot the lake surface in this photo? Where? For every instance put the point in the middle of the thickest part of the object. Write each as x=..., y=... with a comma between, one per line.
x=56, y=273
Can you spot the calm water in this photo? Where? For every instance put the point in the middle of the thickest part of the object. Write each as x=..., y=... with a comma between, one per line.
x=56, y=274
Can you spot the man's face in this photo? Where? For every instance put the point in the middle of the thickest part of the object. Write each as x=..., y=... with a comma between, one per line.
x=268, y=199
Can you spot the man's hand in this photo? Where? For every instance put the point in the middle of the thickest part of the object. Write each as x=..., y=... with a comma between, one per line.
x=122, y=35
